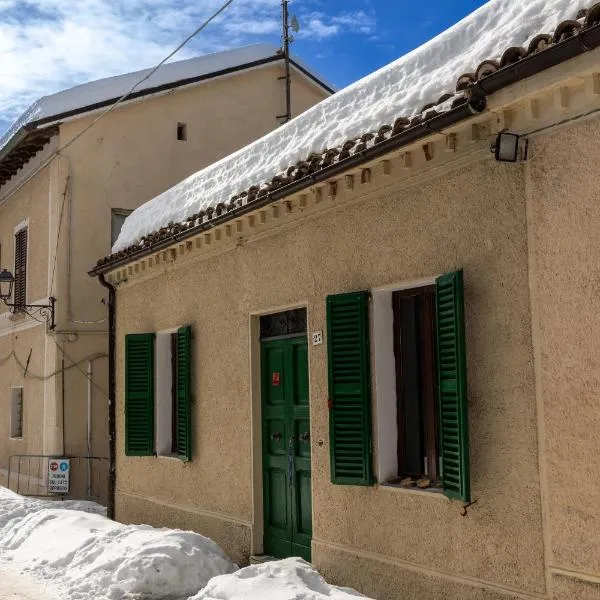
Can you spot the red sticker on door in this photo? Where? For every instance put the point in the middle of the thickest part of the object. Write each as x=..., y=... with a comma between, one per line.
x=275, y=378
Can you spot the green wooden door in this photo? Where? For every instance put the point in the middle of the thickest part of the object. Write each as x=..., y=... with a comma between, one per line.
x=286, y=448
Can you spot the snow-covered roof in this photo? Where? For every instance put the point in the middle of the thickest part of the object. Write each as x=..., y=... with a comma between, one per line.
x=386, y=102
x=87, y=96
x=82, y=96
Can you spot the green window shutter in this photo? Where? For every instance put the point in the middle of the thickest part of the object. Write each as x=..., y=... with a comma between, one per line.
x=452, y=386
x=349, y=388
x=139, y=394
x=184, y=395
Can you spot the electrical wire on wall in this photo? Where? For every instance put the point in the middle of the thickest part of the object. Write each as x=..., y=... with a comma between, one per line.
x=122, y=98
x=77, y=363
x=101, y=116
x=27, y=374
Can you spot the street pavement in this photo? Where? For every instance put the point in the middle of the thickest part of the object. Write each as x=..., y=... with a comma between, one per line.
x=18, y=587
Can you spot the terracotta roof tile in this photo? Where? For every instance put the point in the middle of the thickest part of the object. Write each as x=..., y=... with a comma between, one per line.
x=585, y=19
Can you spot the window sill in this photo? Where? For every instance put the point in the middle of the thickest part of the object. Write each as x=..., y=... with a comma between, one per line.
x=15, y=439
x=175, y=457
x=432, y=492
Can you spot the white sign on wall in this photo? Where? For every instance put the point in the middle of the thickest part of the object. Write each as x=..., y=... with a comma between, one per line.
x=58, y=475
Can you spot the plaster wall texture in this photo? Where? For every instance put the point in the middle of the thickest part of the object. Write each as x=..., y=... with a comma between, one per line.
x=133, y=155
x=30, y=205
x=84, y=349
x=567, y=588
x=11, y=375
x=473, y=218
x=127, y=158
x=17, y=334
x=233, y=536
x=565, y=254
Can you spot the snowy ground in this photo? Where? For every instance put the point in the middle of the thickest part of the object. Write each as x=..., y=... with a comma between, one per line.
x=71, y=551
x=20, y=587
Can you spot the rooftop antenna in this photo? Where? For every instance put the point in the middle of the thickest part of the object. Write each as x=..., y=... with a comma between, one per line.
x=287, y=40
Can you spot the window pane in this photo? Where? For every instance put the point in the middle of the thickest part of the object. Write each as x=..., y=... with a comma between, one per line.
x=16, y=417
x=118, y=218
x=415, y=382
x=410, y=420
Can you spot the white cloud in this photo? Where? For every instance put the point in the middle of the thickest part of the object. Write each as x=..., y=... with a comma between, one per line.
x=320, y=25
x=48, y=45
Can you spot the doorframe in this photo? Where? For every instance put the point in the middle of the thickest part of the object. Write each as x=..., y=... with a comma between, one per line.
x=258, y=521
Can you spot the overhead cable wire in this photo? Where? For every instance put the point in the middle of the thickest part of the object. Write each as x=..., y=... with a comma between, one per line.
x=12, y=355
x=112, y=107
x=124, y=96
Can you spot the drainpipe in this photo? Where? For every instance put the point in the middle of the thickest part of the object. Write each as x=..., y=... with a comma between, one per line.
x=89, y=429
x=112, y=428
x=62, y=391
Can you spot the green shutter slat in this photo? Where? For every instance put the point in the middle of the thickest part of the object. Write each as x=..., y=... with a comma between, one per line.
x=452, y=386
x=184, y=396
x=139, y=394
x=349, y=388
x=20, y=285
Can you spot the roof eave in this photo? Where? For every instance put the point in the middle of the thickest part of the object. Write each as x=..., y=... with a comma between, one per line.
x=21, y=148
x=13, y=142
x=585, y=41
x=409, y=136
x=177, y=84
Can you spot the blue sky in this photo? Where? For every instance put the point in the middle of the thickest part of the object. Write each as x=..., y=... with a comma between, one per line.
x=48, y=45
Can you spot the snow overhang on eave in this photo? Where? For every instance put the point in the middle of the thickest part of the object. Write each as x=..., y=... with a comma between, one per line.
x=188, y=81
x=532, y=107
x=32, y=138
x=436, y=123
x=488, y=82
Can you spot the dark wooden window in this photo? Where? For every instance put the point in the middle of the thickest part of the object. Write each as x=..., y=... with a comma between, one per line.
x=181, y=132
x=20, y=286
x=290, y=322
x=414, y=350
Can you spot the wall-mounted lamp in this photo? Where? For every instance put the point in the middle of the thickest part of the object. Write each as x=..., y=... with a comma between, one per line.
x=46, y=311
x=506, y=147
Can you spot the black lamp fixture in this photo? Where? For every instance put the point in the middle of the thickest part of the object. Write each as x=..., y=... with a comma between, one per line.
x=506, y=147
x=45, y=311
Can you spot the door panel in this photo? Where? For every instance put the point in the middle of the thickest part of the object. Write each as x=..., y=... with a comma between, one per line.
x=286, y=448
x=300, y=364
x=277, y=484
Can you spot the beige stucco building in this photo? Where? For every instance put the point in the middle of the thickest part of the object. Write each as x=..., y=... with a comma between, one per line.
x=67, y=179
x=297, y=440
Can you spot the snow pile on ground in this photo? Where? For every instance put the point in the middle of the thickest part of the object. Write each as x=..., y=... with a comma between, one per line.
x=89, y=556
x=399, y=89
x=83, y=505
x=289, y=579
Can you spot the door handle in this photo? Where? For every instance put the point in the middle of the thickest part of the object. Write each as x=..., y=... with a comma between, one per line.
x=305, y=437
x=276, y=436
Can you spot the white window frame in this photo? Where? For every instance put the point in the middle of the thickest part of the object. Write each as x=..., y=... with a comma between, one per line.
x=163, y=393
x=386, y=411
